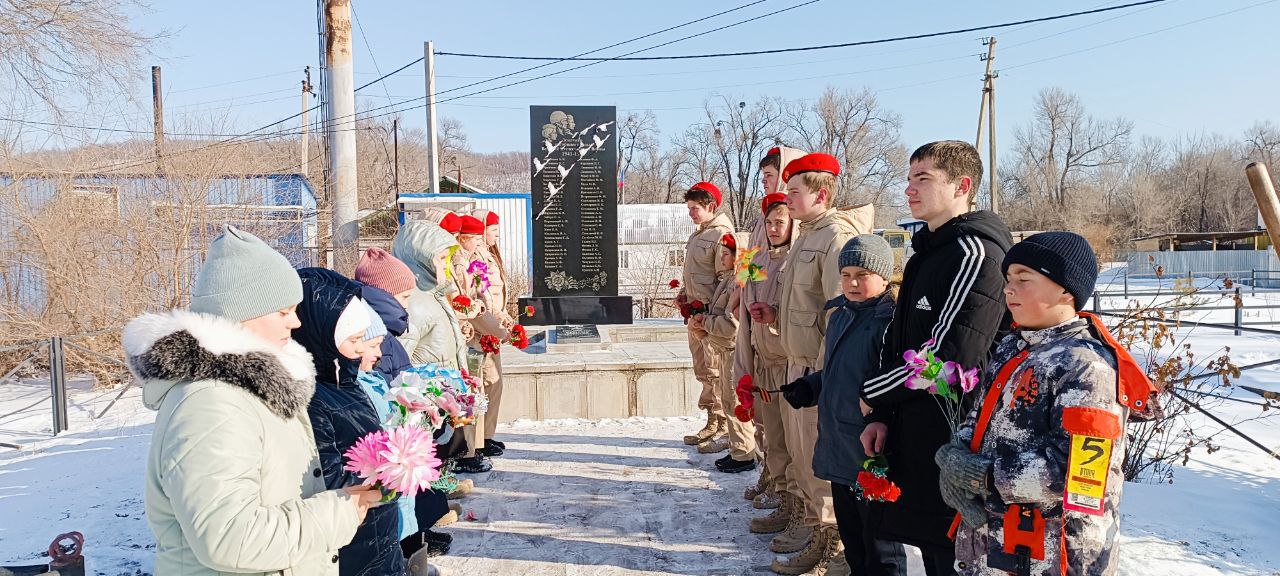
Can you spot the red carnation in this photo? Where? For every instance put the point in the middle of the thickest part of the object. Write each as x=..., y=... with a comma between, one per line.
x=674, y=284
x=528, y=311
x=519, y=337
x=490, y=344
x=745, y=410
x=877, y=488
x=462, y=303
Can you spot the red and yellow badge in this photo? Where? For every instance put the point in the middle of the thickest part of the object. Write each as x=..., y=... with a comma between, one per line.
x=1093, y=434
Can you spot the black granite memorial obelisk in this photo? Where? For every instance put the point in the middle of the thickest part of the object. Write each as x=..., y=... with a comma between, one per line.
x=574, y=167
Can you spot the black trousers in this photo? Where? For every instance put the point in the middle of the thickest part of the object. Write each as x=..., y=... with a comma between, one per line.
x=939, y=561
x=865, y=553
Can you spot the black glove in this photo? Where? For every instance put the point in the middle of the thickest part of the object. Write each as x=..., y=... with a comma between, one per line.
x=798, y=394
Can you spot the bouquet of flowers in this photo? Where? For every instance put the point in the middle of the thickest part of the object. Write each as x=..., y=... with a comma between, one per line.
x=426, y=395
x=401, y=460
x=479, y=272
x=946, y=381
x=519, y=337
x=462, y=304
x=746, y=269
x=490, y=344
x=692, y=308
x=873, y=481
x=673, y=284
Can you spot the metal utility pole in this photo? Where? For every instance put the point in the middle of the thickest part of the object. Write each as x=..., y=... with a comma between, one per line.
x=157, y=111
x=306, y=105
x=987, y=117
x=433, y=153
x=340, y=102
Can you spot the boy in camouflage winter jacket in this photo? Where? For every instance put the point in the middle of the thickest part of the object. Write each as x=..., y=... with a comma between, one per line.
x=1035, y=470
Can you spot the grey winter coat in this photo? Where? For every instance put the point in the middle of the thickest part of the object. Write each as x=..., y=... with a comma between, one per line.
x=233, y=482
x=855, y=333
x=1059, y=403
x=434, y=335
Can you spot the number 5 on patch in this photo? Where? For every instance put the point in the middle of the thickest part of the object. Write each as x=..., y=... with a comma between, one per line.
x=1087, y=469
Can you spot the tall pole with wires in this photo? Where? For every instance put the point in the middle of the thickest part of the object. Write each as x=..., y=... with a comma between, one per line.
x=433, y=154
x=306, y=138
x=340, y=104
x=157, y=117
x=987, y=118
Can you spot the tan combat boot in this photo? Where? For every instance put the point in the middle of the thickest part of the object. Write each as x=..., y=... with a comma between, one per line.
x=797, y=535
x=767, y=500
x=706, y=432
x=762, y=484
x=811, y=557
x=714, y=444
x=775, y=521
x=837, y=566
x=463, y=489
x=834, y=563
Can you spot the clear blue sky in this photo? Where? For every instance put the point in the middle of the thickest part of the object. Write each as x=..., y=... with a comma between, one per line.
x=1215, y=75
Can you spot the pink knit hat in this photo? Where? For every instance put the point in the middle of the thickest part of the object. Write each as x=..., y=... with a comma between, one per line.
x=378, y=268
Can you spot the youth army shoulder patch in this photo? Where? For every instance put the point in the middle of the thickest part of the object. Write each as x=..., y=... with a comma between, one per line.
x=1093, y=435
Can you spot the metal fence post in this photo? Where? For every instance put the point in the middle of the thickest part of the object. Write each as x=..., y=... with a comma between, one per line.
x=58, y=384
x=1239, y=311
x=1253, y=282
x=1126, y=283
x=1097, y=303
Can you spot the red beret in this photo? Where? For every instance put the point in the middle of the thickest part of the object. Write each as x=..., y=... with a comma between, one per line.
x=451, y=223
x=491, y=219
x=771, y=199
x=728, y=241
x=471, y=225
x=773, y=151
x=816, y=162
x=709, y=188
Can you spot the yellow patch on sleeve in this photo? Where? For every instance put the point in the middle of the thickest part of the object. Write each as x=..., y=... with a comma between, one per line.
x=1087, y=470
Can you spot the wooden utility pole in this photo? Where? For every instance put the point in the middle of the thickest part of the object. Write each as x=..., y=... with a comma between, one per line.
x=395, y=156
x=987, y=116
x=433, y=154
x=340, y=117
x=306, y=105
x=157, y=122
x=1268, y=205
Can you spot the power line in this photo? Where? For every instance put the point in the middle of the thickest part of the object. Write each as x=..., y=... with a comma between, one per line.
x=594, y=62
x=615, y=45
x=810, y=48
x=369, y=49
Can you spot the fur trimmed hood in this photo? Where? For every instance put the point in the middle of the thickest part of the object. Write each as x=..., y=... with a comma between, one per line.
x=182, y=346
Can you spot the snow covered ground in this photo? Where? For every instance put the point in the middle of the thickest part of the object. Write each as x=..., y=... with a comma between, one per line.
x=617, y=497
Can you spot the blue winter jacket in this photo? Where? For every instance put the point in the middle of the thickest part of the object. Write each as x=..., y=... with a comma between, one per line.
x=341, y=413
x=394, y=357
x=855, y=333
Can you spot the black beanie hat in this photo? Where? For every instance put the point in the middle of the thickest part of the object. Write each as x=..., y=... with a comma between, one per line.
x=1065, y=257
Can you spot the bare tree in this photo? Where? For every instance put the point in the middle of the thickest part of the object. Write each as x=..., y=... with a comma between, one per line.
x=1058, y=156
x=1262, y=144
x=49, y=48
x=637, y=138
x=743, y=133
x=699, y=158
x=855, y=128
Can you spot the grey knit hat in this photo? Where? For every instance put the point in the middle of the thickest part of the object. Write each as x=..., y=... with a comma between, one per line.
x=244, y=278
x=868, y=251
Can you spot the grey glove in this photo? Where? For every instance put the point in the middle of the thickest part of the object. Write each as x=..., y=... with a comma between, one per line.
x=972, y=511
x=963, y=482
x=966, y=470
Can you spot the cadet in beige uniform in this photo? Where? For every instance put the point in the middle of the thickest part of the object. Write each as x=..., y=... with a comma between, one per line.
x=811, y=278
x=761, y=355
x=470, y=239
x=699, y=282
x=719, y=328
x=496, y=300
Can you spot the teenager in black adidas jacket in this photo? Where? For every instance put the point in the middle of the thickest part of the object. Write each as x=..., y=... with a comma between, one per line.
x=952, y=294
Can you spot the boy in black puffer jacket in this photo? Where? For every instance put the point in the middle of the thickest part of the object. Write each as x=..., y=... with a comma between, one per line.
x=952, y=303
x=855, y=333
